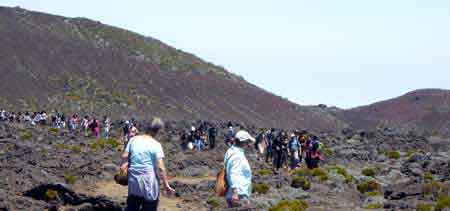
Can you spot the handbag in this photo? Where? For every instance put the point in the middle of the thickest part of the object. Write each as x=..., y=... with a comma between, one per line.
x=221, y=183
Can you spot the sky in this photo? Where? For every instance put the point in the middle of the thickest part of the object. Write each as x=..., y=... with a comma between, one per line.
x=344, y=53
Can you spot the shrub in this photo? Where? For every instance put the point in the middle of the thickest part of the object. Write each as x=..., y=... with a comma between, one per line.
x=374, y=206
x=113, y=143
x=302, y=172
x=301, y=182
x=327, y=151
x=264, y=172
x=100, y=144
x=261, y=188
x=70, y=179
x=341, y=171
x=61, y=146
x=51, y=194
x=369, y=186
x=214, y=202
x=53, y=130
x=424, y=207
x=76, y=149
x=435, y=188
x=393, y=155
x=428, y=176
x=294, y=205
x=369, y=172
x=26, y=135
x=442, y=203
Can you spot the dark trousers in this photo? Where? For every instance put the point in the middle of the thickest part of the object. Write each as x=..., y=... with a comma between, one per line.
x=212, y=142
x=137, y=203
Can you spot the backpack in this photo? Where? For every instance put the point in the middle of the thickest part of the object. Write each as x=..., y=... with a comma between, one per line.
x=221, y=183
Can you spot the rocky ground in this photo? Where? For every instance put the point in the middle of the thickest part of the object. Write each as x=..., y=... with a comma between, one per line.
x=49, y=169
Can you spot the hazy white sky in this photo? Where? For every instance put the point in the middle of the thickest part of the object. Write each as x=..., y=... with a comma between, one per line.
x=345, y=53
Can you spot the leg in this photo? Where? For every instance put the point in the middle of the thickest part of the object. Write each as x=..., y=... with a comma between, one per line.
x=134, y=203
x=150, y=205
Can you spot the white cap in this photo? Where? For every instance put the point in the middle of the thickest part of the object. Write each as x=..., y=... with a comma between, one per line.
x=127, y=122
x=244, y=136
x=192, y=128
x=292, y=135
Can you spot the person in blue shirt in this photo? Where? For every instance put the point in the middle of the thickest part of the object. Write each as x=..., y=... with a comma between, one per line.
x=143, y=159
x=238, y=171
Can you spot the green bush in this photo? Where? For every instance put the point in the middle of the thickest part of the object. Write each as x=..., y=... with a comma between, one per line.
x=294, y=205
x=393, y=155
x=374, y=206
x=369, y=186
x=113, y=143
x=100, y=144
x=53, y=130
x=26, y=135
x=424, y=207
x=214, y=202
x=301, y=182
x=51, y=194
x=341, y=171
x=264, y=172
x=76, y=149
x=428, y=176
x=442, y=203
x=435, y=188
x=369, y=172
x=70, y=179
x=261, y=188
x=302, y=172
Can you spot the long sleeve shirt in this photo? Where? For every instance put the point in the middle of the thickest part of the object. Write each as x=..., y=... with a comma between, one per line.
x=238, y=172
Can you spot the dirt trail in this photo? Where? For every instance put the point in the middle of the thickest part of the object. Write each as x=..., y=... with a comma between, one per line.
x=119, y=193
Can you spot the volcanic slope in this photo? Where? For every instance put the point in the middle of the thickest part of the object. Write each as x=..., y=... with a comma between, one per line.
x=76, y=64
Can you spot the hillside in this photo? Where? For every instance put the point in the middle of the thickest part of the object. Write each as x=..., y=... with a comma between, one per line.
x=76, y=64
x=427, y=109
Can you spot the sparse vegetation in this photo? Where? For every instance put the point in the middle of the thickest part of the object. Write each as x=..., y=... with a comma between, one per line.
x=341, y=171
x=294, y=205
x=26, y=135
x=436, y=189
x=76, y=149
x=395, y=155
x=374, y=206
x=264, y=172
x=214, y=202
x=428, y=176
x=369, y=172
x=369, y=186
x=442, y=203
x=51, y=194
x=320, y=173
x=424, y=207
x=53, y=130
x=261, y=188
x=70, y=179
x=302, y=172
x=301, y=182
x=114, y=143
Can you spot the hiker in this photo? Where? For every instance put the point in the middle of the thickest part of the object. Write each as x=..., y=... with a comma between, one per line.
x=229, y=136
x=199, y=142
x=95, y=127
x=269, y=145
x=27, y=117
x=43, y=120
x=2, y=115
x=125, y=131
x=294, y=151
x=313, y=155
x=238, y=171
x=85, y=125
x=73, y=122
x=106, y=126
x=260, y=144
x=191, y=138
x=280, y=151
x=212, y=133
x=143, y=159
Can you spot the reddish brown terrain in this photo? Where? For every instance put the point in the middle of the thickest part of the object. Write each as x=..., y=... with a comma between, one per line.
x=427, y=109
x=76, y=64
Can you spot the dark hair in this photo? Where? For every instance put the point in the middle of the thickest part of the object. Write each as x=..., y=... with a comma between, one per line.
x=154, y=128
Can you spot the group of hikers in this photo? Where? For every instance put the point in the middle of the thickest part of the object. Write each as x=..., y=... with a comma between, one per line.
x=86, y=125
x=197, y=138
x=142, y=157
x=286, y=150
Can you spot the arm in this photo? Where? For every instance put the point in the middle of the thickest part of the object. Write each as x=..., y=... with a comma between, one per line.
x=163, y=175
x=124, y=163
